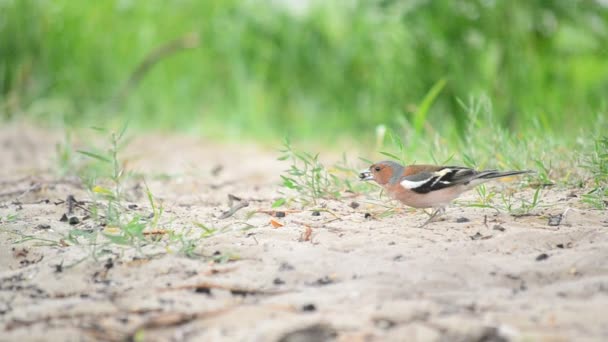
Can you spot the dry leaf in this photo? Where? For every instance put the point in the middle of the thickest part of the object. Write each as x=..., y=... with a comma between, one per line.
x=275, y=223
x=155, y=232
x=307, y=234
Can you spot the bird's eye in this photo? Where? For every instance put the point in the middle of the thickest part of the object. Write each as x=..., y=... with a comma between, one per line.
x=377, y=169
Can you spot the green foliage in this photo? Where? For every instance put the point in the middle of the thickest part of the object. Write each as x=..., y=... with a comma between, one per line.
x=9, y=218
x=336, y=68
x=118, y=226
x=313, y=181
x=307, y=175
x=596, y=162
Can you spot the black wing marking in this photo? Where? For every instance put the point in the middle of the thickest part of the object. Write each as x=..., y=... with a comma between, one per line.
x=425, y=182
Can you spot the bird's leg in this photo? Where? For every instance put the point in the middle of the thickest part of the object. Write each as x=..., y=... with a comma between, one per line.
x=433, y=215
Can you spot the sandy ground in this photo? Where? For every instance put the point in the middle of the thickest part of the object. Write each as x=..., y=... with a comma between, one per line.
x=476, y=276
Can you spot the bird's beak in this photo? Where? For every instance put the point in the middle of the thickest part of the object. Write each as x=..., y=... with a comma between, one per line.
x=366, y=175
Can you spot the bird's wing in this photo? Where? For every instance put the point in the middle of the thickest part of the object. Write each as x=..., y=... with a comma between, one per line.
x=426, y=178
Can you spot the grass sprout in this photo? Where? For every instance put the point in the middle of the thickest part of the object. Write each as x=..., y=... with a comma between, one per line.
x=596, y=162
x=307, y=176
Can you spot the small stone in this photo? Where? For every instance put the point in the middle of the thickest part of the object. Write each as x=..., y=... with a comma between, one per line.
x=316, y=213
x=499, y=228
x=279, y=214
x=392, y=243
x=278, y=281
x=132, y=206
x=543, y=256
x=367, y=215
x=74, y=220
x=286, y=267
x=462, y=220
x=477, y=236
x=43, y=226
x=309, y=308
x=560, y=245
x=323, y=281
x=354, y=205
x=555, y=220
x=384, y=324
x=64, y=218
x=203, y=290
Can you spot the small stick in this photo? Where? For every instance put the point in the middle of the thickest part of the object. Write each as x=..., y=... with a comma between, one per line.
x=71, y=200
x=155, y=232
x=234, y=209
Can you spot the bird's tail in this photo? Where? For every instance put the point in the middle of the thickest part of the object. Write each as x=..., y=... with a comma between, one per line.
x=487, y=175
x=499, y=174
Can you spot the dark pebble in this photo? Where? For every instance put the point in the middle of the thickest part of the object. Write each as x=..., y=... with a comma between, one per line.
x=560, y=245
x=462, y=220
x=323, y=281
x=499, y=227
x=477, y=236
x=542, y=257
x=354, y=205
x=367, y=215
x=279, y=214
x=383, y=323
x=73, y=220
x=316, y=213
x=132, y=206
x=217, y=169
x=309, y=308
x=43, y=226
x=286, y=267
x=555, y=220
x=64, y=218
x=278, y=281
x=203, y=290
x=392, y=243
x=398, y=257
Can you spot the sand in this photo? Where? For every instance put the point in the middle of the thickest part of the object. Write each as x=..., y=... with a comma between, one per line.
x=477, y=275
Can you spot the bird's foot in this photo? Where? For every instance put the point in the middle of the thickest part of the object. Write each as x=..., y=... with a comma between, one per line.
x=434, y=216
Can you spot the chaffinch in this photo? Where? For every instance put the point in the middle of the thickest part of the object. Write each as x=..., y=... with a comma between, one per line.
x=428, y=186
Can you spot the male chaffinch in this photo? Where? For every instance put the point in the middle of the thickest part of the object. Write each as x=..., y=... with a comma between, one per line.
x=428, y=186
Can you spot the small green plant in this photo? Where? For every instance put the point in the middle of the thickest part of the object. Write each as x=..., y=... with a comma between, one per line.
x=522, y=206
x=8, y=218
x=398, y=149
x=543, y=172
x=106, y=179
x=485, y=197
x=308, y=176
x=596, y=163
x=65, y=158
x=515, y=206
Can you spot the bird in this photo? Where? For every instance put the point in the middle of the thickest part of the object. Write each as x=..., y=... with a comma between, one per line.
x=429, y=186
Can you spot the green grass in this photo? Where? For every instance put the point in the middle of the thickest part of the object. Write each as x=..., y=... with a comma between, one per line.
x=339, y=69
x=596, y=162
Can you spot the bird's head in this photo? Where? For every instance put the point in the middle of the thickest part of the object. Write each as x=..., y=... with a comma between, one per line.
x=383, y=172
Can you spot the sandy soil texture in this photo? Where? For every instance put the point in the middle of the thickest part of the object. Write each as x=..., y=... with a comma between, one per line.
x=340, y=275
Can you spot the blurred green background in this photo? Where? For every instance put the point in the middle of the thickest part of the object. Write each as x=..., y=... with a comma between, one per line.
x=310, y=69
